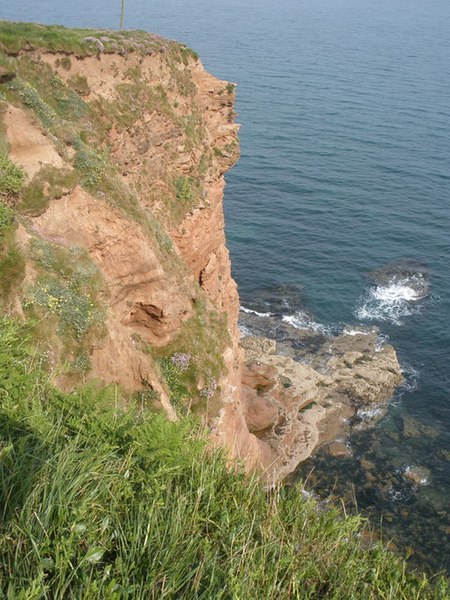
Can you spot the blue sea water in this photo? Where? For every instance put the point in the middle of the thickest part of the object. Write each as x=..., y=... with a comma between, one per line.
x=343, y=194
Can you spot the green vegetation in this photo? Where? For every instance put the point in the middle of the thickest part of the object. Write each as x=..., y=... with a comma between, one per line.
x=184, y=190
x=14, y=37
x=65, y=305
x=90, y=164
x=49, y=183
x=12, y=262
x=230, y=88
x=30, y=98
x=12, y=177
x=72, y=123
x=193, y=384
x=67, y=288
x=79, y=84
x=100, y=496
x=103, y=502
x=174, y=376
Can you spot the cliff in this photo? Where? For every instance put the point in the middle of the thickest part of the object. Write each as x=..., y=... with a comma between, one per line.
x=113, y=149
x=121, y=143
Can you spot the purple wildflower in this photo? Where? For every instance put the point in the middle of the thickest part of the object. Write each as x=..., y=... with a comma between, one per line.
x=181, y=360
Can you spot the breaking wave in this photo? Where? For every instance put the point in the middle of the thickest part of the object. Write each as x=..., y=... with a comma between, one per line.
x=411, y=378
x=301, y=320
x=397, y=293
x=250, y=311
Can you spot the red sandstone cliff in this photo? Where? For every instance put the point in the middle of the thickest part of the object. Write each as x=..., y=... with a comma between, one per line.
x=154, y=231
x=124, y=146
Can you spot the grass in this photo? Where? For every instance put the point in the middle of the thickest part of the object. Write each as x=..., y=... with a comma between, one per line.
x=48, y=184
x=16, y=37
x=203, y=338
x=100, y=501
x=12, y=177
x=12, y=262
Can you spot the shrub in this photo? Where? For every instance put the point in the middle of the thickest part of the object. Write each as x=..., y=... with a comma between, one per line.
x=12, y=262
x=184, y=190
x=30, y=98
x=12, y=177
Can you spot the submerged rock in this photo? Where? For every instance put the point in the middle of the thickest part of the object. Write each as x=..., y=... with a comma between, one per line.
x=417, y=475
x=338, y=449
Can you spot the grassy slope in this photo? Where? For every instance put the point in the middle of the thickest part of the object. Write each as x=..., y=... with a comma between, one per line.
x=101, y=502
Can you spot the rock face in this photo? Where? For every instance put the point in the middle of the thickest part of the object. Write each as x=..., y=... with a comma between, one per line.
x=294, y=407
x=123, y=147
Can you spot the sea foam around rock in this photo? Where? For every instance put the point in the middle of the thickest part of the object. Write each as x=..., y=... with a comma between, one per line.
x=398, y=292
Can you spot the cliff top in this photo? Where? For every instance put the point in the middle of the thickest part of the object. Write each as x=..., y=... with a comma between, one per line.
x=19, y=37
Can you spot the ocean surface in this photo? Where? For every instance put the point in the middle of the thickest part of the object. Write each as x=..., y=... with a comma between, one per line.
x=339, y=209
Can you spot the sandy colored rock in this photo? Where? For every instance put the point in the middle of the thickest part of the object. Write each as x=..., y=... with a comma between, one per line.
x=29, y=147
x=260, y=412
x=143, y=296
x=316, y=406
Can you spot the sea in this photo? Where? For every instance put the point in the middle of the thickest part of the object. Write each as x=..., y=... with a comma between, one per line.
x=338, y=212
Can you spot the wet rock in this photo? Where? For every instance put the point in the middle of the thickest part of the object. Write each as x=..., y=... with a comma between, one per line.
x=367, y=465
x=444, y=455
x=417, y=475
x=393, y=435
x=338, y=449
x=298, y=406
x=414, y=428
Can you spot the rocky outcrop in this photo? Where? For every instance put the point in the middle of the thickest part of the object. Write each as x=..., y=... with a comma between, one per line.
x=294, y=407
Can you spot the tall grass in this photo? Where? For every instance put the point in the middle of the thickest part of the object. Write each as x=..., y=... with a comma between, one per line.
x=102, y=502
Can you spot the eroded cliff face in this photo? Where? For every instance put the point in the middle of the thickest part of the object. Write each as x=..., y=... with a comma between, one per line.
x=119, y=144
x=124, y=144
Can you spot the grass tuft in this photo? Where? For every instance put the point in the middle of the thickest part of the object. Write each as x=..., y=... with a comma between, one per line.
x=12, y=177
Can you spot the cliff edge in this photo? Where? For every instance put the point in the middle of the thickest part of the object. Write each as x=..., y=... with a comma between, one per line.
x=113, y=149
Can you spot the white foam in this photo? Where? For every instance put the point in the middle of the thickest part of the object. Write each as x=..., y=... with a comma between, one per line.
x=353, y=332
x=382, y=339
x=250, y=311
x=393, y=300
x=370, y=413
x=412, y=376
x=396, y=292
x=244, y=331
x=397, y=495
x=301, y=320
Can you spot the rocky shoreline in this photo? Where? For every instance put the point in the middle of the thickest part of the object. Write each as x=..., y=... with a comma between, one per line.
x=306, y=389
